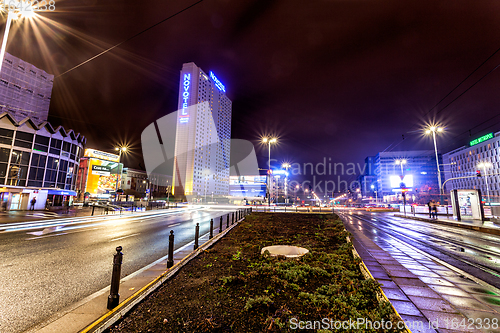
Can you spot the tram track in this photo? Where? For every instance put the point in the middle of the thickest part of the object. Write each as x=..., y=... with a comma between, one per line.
x=439, y=248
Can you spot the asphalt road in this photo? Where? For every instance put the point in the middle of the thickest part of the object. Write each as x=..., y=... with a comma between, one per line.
x=474, y=252
x=45, y=268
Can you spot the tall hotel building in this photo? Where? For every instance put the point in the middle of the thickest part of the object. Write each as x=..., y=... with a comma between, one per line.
x=202, y=143
x=25, y=90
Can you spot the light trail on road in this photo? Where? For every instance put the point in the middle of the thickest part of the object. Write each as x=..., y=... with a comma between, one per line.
x=49, y=265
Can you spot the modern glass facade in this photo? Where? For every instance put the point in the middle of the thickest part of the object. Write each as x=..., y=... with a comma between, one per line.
x=33, y=156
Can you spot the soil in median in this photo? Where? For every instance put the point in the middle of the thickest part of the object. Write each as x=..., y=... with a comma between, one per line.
x=233, y=288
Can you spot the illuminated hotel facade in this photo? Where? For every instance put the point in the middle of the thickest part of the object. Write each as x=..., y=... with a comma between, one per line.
x=203, y=134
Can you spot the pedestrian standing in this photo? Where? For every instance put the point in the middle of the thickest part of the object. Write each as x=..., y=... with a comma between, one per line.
x=33, y=202
x=429, y=205
x=434, y=209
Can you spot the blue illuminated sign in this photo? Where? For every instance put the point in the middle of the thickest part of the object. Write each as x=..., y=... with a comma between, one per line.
x=217, y=82
x=184, y=116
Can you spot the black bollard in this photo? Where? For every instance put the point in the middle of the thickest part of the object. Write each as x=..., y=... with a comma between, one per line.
x=93, y=207
x=220, y=225
x=170, y=259
x=196, y=235
x=232, y=221
x=114, y=297
x=227, y=221
x=211, y=228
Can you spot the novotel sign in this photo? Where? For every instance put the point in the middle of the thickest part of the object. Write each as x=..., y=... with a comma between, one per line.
x=186, y=86
x=218, y=84
x=482, y=139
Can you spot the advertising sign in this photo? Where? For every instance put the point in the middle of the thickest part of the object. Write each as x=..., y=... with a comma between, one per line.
x=247, y=186
x=102, y=155
x=102, y=176
x=101, y=170
x=396, y=181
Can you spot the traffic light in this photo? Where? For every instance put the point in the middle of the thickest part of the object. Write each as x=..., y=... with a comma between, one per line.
x=478, y=173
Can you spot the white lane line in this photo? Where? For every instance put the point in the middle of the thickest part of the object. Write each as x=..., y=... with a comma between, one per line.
x=173, y=225
x=115, y=239
x=46, y=236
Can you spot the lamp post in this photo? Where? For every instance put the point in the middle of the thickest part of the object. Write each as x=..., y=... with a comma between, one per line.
x=120, y=150
x=376, y=196
x=15, y=10
x=485, y=165
x=268, y=141
x=434, y=130
x=286, y=166
x=401, y=162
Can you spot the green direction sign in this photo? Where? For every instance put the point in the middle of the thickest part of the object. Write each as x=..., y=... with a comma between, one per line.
x=481, y=139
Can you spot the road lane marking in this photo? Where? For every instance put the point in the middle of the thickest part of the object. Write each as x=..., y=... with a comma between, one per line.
x=173, y=225
x=46, y=236
x=115, y=239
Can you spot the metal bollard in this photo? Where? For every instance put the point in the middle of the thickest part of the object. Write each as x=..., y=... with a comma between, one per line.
x=220, y=225
x=114, y=297
x=196, y=235
x=170, y=259
x=211, y=228
x=227, y=221
x=93, y=207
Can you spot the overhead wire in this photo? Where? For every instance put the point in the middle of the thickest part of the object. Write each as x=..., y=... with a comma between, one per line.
x=393, y=145
x=128, y=39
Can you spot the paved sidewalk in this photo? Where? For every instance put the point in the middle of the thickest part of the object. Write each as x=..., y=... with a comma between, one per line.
x=477, y=225
x=428, y=295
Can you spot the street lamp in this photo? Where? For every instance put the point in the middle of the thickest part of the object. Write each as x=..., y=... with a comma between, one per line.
x=268, y=141
x=286, y=166
x=434, y=130
x=401, y=162
x=376, y=196
x=120, y=150
x=15, y=10
x=485, y=165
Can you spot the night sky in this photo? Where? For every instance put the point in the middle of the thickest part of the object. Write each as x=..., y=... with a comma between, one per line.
x=332, y=79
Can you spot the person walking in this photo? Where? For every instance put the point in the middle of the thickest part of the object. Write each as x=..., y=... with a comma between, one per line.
x=33, y=202
x=429, y=205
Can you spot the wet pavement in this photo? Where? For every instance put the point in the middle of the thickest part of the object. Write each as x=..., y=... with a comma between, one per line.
x=477, y=225
x=429, y=294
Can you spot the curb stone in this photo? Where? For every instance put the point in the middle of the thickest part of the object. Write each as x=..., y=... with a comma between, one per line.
x=108, y=319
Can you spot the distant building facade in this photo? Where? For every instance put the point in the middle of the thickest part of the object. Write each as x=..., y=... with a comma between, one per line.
x=419, y=172
x=25, y=90
x=368, y=177
x=464, y=163
x=202, y=144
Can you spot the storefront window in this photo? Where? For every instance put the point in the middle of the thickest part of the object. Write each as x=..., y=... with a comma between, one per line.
x=18, y=168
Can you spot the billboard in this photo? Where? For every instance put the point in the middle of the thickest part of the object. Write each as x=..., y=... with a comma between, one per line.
x=101, y=155
x=247, y=186
x=396, y=181
x=102, y=176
